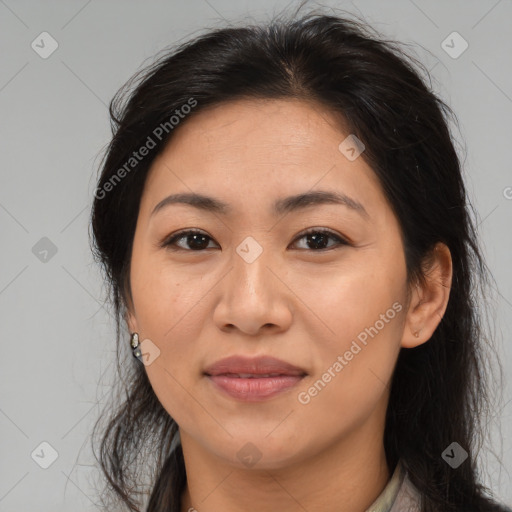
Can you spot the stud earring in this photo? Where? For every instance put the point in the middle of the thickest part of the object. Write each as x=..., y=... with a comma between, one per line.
x=417, y=334
x=134, y=342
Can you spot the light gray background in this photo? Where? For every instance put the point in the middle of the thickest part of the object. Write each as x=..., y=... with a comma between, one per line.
x=57, y=339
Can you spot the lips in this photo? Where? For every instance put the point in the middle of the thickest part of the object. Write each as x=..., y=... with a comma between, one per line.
x=253, y=379
x=252, y=375
x=258, y=367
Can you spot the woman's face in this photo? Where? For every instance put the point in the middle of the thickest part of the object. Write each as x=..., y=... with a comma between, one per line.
x=253, y=284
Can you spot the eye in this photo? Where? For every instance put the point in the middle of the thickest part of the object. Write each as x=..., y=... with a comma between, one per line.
x=198, y=241
x=318, y=238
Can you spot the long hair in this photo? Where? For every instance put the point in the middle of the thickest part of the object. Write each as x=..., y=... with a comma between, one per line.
x=440, y=391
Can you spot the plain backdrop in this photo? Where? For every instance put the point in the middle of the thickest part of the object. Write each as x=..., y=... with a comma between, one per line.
x=57, y=337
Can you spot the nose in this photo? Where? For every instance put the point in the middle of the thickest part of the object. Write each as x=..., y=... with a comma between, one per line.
x=254, y=297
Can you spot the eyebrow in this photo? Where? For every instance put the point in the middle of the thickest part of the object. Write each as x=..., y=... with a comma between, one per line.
x=280, y=207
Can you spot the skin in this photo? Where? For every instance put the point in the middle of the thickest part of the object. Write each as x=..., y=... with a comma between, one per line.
x=294, y=302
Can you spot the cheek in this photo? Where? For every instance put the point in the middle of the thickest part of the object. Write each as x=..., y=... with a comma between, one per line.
x=170, y=306
x=351, y=383
x=164, y=297
x=340, y=303
x=174, y=374
x=358, y=335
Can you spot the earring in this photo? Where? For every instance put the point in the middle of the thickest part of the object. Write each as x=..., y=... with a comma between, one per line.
x=134, y=342
x=417, y=334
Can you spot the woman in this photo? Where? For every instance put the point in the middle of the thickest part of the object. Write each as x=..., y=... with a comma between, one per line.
x=282, y=219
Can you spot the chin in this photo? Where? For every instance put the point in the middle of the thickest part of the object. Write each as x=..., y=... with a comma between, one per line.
x=259, y=452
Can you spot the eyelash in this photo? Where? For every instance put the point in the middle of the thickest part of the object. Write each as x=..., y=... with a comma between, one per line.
x=169, y=242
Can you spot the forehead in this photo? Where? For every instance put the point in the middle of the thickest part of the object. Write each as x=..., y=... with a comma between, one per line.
x=249, y=150
x=276, y=128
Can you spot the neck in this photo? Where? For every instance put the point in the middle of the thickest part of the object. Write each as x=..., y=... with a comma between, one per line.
x=348, y=476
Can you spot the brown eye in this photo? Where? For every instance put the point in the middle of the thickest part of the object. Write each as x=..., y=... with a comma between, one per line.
x=195, y=240
x=318, y=239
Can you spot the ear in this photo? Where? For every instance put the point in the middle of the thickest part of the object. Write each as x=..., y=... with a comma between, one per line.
x=429, y=298
x=129, y=309
x=131, y=321
x=129, y=314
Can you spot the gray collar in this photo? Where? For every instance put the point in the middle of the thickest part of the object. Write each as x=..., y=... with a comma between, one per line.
x=399, y=495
